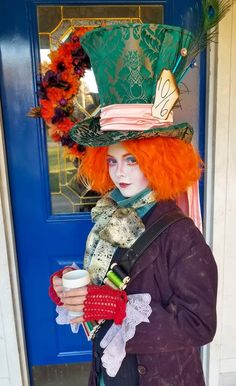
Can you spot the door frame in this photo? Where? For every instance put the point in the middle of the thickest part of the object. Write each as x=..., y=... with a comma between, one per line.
x=14, y=336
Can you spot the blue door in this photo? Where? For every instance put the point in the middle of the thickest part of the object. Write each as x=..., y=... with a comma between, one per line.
x=50, y=211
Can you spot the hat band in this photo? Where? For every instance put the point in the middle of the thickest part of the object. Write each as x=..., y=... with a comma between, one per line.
x=131, y=117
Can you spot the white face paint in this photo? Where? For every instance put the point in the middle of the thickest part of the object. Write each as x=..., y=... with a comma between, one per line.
x=124, y=171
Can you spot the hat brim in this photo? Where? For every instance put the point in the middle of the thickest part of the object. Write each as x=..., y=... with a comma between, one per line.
x=88, y=133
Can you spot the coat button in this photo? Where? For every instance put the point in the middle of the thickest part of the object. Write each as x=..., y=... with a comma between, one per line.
x=96, y=354
x=142, y=370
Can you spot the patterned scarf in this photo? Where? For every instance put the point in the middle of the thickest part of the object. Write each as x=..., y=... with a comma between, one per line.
x=118, y=224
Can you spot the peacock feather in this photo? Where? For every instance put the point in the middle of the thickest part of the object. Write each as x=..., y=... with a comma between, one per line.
x=212, y=11
x=202, y=22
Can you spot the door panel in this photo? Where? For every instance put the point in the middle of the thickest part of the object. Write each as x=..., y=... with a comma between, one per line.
x=50, y=236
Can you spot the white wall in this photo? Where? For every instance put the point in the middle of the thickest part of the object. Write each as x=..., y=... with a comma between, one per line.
x=223, y=349
x=8, y=346
x=13, y=370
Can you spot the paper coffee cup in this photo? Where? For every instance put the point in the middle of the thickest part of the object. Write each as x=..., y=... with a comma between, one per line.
x=75, y=279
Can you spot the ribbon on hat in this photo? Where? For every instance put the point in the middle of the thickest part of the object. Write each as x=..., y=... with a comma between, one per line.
x=189, y=202
x=131, y=117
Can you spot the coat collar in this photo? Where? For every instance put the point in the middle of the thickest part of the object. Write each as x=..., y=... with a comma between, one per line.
x=152, y=216
x=157, y=211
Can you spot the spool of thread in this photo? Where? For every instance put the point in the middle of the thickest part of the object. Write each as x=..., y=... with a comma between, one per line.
x=90, y=329
x=86, y=330
x=109, y=283
x=97, y=327
x=115, y=279
x=91, y=325
x=120, y=273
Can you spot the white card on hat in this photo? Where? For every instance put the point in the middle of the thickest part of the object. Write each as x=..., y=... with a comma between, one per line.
x=167, y=93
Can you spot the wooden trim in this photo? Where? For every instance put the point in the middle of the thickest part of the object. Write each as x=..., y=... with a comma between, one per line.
x=222, y=208
x=10, y=299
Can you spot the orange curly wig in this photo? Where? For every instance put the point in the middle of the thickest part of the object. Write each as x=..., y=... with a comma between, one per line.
x=169, y=164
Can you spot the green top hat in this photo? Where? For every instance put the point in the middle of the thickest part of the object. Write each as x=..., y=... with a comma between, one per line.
x=135, y=63
x=127, y=61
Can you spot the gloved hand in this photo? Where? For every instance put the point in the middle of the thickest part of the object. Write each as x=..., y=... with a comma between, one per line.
x=104, y=303
x=55, y=288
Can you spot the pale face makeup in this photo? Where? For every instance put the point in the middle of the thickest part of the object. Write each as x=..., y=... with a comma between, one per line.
x=124, y=171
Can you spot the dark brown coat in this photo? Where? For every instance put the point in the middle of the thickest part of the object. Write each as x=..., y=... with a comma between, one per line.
x=180, y=273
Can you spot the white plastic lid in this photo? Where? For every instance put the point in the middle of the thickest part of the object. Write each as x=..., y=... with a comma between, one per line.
x=75, y=279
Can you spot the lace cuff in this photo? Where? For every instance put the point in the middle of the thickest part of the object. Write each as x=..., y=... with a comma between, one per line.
x=138, y=310
x=64, y=318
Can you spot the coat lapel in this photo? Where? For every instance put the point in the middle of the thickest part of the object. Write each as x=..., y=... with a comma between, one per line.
x=148, y=257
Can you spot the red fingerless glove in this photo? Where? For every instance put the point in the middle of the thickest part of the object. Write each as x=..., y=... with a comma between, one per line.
x=51, y=292
x=105, y=303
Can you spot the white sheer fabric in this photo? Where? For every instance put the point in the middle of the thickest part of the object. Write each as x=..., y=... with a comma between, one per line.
x=64, y=318
x=138, y=310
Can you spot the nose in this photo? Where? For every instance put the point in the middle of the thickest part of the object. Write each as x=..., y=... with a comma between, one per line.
x=120, y=170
